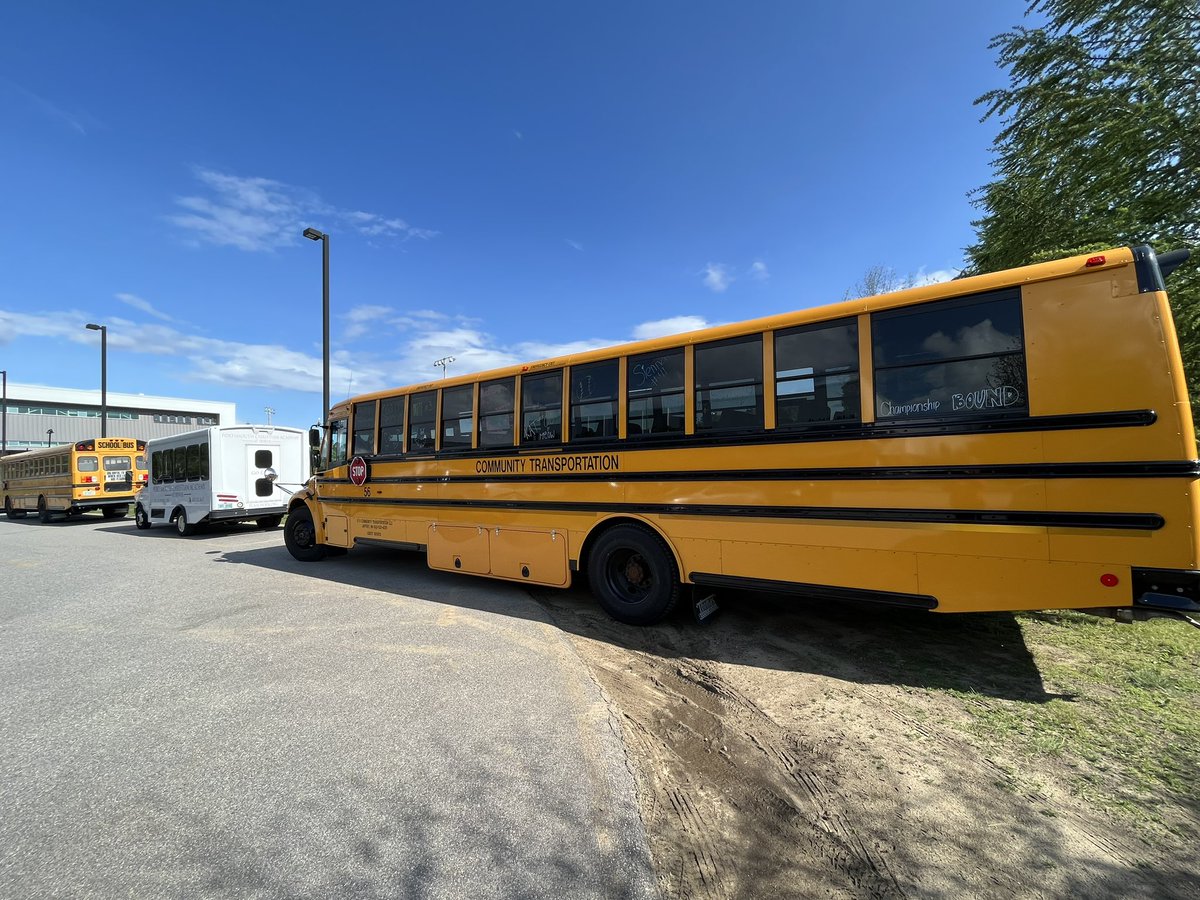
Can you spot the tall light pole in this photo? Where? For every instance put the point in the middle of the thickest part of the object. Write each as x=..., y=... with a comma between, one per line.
x=270, y=411
x=313, y=235
x=103, y=329
x=49, y=434
x=443, y=363
x=4, y=413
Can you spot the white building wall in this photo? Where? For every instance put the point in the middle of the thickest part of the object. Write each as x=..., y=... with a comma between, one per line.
x=76, y=415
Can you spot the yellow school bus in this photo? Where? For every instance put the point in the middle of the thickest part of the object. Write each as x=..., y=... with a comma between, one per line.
x=1017, y=440
x=70, y=479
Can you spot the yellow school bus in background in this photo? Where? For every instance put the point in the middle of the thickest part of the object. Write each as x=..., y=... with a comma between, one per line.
x=1017, y=440
x=70, y=479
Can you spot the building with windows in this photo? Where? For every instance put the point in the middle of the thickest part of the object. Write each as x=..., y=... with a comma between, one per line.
x=40, y=416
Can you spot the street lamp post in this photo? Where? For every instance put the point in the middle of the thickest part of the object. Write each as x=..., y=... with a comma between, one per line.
x=443, y=363
x=49, y=434
x=313, y=235
x=4, y=413
x=103, y=329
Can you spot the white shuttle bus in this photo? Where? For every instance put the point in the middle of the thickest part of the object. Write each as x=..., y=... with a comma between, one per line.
x=225, y=473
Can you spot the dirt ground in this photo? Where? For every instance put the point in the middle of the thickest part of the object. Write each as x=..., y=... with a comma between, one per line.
x=788, y=749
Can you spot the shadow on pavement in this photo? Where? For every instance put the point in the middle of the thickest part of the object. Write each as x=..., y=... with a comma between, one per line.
x=983, y=653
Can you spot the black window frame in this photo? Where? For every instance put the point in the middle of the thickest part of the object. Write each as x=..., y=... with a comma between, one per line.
x=501, y=437
x=849, y=376
x=656, y=396
x=1010, y=296
x=387, y=428
x=429, y=442
x=463, y=438
x=370, y=431
x=578, y=402
x=528, y=408
x=757, y=420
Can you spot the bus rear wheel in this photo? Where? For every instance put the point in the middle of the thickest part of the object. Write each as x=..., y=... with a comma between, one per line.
x=140, y=518
x=300, y=536
x=11, y=511
x=633, y=575
x=44, y=511
x=182, y=525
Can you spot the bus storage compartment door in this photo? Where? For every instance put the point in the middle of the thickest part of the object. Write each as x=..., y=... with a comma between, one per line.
x=337, y=534
x=536, y=556
x=458, y=548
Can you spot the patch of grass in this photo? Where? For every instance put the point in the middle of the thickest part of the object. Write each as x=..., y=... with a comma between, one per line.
x=1123, y=718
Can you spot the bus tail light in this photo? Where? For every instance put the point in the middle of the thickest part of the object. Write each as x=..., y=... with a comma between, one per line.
x=86, y=445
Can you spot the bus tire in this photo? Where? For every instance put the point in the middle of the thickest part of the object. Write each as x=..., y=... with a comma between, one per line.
x=115, y=512
x=11, y=511
x=300, y=536
x=44, y=511
x=141, y=518
x=266, y=523
x=182, y=525
x=633, y=575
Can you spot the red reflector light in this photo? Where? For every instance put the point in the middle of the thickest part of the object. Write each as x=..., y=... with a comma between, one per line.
x=1094, y=261
x=1109, y=580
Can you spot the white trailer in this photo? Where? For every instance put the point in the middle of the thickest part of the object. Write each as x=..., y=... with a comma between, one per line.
x=225, y=473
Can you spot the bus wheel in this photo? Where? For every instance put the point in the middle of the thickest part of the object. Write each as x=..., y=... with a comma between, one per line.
x=633, y=575
x=266, y=523
x=300, y=536
x=140, y=517
x=9, y=511
x=115, y=512
x=181, y=523
x=44, y=511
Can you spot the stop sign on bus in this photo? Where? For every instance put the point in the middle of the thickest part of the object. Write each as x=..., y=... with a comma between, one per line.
x=358, y=470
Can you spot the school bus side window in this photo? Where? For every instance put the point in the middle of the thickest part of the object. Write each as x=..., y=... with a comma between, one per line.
x=422, y=421
x=541, y=408
x=457, y=417
x=337, y=443
x=729, y=394
x=391, y=425
x=955, y=358
x=496, y=406
x=816, y=374
x=364, y=428
x=594, y=400
x=656, y=393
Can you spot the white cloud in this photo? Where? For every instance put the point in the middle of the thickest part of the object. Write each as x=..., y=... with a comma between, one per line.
x=77, y=122
x=256, y=214
x=575, y=244
x=717, y=277
x=923, y=278
x=758, y=270
x=664, y=327
x=144, y=305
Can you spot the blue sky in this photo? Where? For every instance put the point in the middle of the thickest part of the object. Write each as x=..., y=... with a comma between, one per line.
x=500, y=181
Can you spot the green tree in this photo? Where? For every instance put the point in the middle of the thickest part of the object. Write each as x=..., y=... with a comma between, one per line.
x=1100, y=144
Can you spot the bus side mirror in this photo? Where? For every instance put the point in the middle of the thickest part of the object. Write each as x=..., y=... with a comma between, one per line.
x=314, y=437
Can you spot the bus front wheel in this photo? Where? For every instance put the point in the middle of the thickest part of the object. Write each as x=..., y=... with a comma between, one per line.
x=140, y=518
x=633, y=575
x=300, y=536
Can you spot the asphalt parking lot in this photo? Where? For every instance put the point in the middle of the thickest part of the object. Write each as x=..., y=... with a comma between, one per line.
x=206, y=717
